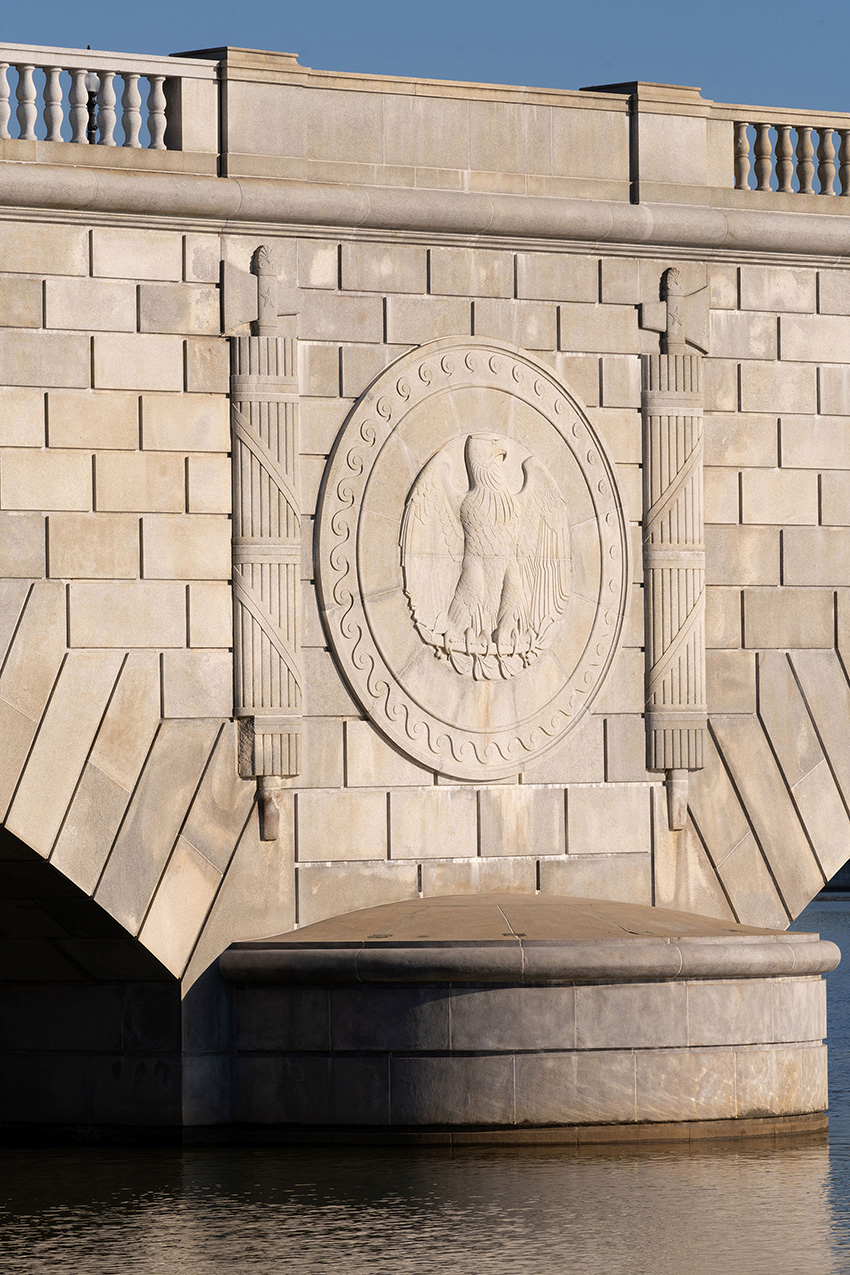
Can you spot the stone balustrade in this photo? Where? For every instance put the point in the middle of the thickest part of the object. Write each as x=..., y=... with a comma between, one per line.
x=792, y=154
x=94, y=98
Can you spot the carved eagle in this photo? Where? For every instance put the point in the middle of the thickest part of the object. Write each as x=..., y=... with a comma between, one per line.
x=486, y=569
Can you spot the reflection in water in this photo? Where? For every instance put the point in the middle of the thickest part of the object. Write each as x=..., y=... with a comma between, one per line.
x=756, y=1207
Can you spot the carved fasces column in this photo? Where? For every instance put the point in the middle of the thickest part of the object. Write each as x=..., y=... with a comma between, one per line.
x=266, y=548
x=674, y=555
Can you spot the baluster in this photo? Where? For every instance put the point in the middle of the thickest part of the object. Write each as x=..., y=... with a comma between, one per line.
x=5, y=108
x=27, y=113
x=784, y=159
x=826, y=161
x=131, y=101
x=844, y=161
x=156, y=112
x=805, y=167
x=106, y=110
x=78, y=100
x=764, y=157
x=53, y=112
x=742, y=157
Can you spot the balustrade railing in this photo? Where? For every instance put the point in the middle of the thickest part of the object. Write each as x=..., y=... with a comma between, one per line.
x=74, y=95
x=782, y=157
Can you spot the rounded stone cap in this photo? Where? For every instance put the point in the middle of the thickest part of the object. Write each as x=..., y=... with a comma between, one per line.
x=523, y=939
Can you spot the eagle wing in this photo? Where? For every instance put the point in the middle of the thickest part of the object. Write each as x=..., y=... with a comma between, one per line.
x=431, y=543
x=543, y=547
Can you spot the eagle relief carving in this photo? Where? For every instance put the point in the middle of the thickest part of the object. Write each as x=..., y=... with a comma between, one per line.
x=485, y=556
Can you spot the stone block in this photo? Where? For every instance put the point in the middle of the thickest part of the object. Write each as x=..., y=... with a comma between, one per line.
x=608, y=819
x=785, y=718
x=36, y=652
x=47, y=480
x=720, y=385
x=318, y=263
x=624, y=689
x=786, y=497
x=799, y=1008
x=722, y=286
x=815, y=555
x=598, y=329
x=222, y=803
x=478, y=876
x=21, y=302
x=340, y=317
x=210, y=614
x=743, y=441
x=92, y=419
x=143, y=613
x=835, y=499
x=13, y=598
x=788, y=618
x=625, y=750
x=325, y=693
x=722, y=496
x=513, y=1018
x=735, y=335
x=361, y=364
x=310, y=472
x=575, y=1088
x=22, y=546
x=471, y=272
x=180, y=905
x=21, y=417
x=433, y=823
x=321, y=753
x=97, y=546
x=680, y=1084
x=130, y=721
x=620, y=281
x=136, y=254
x=144, y=482
x=446, y=1089
x=741, y=555
x=209, y=485
x=201, y=258
x=554, y=276
x=825, y=817
x=372, y=762
x=90, y=305
x=45, y=359
x=179, y=308
x=528, y=324
x=341, y=825
x=282, y=1019
x=814, y=338
x=326, y=889
x=778, y=387
x=778, y=288
x=43, y=249
x=90, y=827
x=185, y=422
x=389, y=1018
x=197, y=684
x=319, y=370
x=723, y=618
x=521, y=820
x=815, y=442
x=18, y=733
x=620, y=381
x=833, y=292
x=320, y=420
x=730, y=679
x=376, y=267
x=137, y=362
x=207, y=365
x=193, y=547
x=509, y=138
x=580, y=373
x=621, y=433
x=414, y=320
x=833, y=390
x=632, y=1016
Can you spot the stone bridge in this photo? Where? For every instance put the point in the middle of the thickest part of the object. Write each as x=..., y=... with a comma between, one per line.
x=257, y=665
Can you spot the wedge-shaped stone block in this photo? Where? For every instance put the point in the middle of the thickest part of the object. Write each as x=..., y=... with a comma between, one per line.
x=741, y=555
x=551, y=276
x=326, y=317
x=744, y=441
x=179, y=308
x=744, y=336
x=788, y=618
x=164, y=791
x=13, y=597
x=748, y=883
x=210, y=614
x=90, y=305
x=814, y=338
x=431, y=823
x=194, y=547
x=146, y=613
x=827, y=694
x=626, y=878
x=610, y=819
x=786, y=719
x=90, y=827
x=500, y=874
x=372, y=762
x=137, y=362
x=528, y=324
x=93, y=419
x=185, y=422
x=778, y=288
x=374, y=267
x=18, y=732
x=222, y=804
x=136, y=254
x=36, y=653
x=55, y=479
x=207, y=365
x=61, y=747
x=22, y=545
x=145, y=482
x=130, y=721
x=816, y=555
x=825, y=817
x=341, y=825
x=786, y=497
x=778, y=387
x=631, y=1016
x=598, y=329
x=93, y=546
x=180, y=906
x=44, y=359
x=197, y=684
x=413, y=320
x=21, y=417
x=329, y=889
x=20, y=302
x=471, y=272
x=519, y=820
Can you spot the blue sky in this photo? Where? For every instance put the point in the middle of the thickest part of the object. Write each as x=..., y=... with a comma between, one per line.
x=749, y=52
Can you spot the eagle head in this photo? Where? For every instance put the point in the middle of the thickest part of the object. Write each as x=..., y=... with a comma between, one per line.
x=485, y=454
